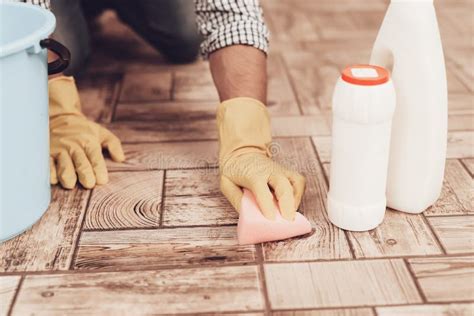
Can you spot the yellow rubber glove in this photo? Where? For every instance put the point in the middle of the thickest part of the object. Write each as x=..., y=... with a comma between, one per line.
x=76, y=142
x=245, y=159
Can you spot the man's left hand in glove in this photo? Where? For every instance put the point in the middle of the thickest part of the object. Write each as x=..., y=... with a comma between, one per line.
x=76, y=142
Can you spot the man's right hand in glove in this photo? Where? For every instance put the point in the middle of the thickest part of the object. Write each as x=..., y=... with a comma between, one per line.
x=76, y=142
x=245, y=159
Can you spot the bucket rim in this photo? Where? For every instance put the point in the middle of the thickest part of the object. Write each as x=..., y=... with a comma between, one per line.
x=32, y=39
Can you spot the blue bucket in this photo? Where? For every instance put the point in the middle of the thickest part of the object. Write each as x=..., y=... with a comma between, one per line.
x=24, y=132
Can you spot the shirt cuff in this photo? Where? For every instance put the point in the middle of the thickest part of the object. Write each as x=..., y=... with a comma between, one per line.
x=251, y=33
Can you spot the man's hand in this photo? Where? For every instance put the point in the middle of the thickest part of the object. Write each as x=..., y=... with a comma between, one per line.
x=75, y=142
x=245, y=162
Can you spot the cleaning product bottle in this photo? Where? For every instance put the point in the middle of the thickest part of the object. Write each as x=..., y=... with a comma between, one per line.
x=362, y=110
x=409, y=40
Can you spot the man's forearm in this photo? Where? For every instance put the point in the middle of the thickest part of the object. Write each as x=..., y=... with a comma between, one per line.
x=240, y=71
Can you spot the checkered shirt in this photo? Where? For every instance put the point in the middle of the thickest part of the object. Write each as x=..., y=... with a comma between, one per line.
x=223, y=23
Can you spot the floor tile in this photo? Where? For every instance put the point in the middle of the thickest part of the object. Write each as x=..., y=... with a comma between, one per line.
x=457, y=195
x=98, y=96
x=461, y=122
x=193, y=198
x=456, y=233
x=206, y=129
x=8, y=288
x=49, y=244
x=152, y=248
x=448, y=279
x=326, y=241
x=145, y=292
x=431, y=310
x=339, y=284
x=166, y=111
x=180, y=155
x=323, y=147
x=281, y=98
x=329, y=312
x=194, y=86
x=469, y=163
x=129, y=200
x=460, y=144
x=400, y=234
x=146, y=86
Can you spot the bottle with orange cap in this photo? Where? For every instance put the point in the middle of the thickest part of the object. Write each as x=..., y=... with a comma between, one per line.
x=362, y=108
x=409, y=42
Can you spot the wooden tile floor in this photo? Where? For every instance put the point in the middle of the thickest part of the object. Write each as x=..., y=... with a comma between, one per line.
x=161, y=239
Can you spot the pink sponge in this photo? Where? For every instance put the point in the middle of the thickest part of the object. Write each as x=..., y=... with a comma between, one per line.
x=254, y=228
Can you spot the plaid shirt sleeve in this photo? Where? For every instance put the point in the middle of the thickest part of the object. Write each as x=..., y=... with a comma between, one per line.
x=42, y=3
x=231, y=22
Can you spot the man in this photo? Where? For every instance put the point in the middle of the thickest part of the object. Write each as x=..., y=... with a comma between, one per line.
x=235, y=42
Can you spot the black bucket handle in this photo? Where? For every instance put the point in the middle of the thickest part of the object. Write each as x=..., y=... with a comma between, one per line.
x=60, y=64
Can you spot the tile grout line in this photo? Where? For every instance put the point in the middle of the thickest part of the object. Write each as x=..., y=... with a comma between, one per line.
x=214, y=140
x=115, y=99
x=374, y=311
x=292, y=84
x=162, y=206
x=465, y=166
x=435, y=235
x=79, y=235
x=173, y=86
x=326, y=180
x=415, y=281
x=99, y=230
x=263, y=281
x=17, y=292
x=217, y=265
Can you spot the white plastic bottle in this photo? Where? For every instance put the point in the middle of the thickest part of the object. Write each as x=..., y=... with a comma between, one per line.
x=363, y=105
x=409, y=40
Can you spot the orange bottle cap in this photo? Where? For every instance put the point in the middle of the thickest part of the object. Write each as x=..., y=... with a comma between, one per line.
x=365, y=75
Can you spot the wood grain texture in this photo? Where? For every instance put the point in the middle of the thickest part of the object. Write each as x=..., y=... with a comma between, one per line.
x=290, y=25
x=166, y=111
x=8, y=288
x=198, y=210
x=315, y=69
x=129, y=200
x=323, y=147
x=461, y=122
x=400, y=234
x=456, y=233
x=281, y=99
x=469, y=163
x=460, y=104
x=340, y=25
x=150, y=249
x=98, y=96
x=181, y=155
x=460, y=144
x=194, y=86
x=339, y=283
x=326, y=241
x=431, y=310
x=445, y=279
x=146, y=86
x=146, y=292
x=193, y=197
x=329, y=312
x=457, y=195
x=206, y=129
x=48, y=244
